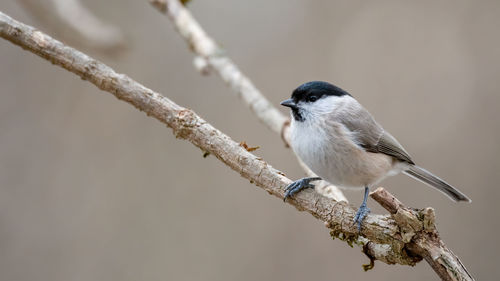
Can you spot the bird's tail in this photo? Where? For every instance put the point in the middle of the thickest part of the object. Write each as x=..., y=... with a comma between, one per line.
x=428, y=178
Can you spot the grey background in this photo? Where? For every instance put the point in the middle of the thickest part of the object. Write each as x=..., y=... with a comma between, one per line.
x=92, y=189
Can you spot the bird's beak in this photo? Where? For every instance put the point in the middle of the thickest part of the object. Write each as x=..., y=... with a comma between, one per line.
x=289, y=103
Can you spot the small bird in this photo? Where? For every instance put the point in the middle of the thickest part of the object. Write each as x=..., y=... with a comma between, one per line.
x=342, y=143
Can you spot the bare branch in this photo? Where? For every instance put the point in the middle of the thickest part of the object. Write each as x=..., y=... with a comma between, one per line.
x=400, y=238
x=212, y=57
x=425, y=240
x=76, y=22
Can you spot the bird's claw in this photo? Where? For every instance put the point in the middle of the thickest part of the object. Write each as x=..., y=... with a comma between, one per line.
x=299, y=185
x=360, y=215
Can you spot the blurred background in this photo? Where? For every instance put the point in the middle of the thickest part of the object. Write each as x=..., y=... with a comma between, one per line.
x=92, y=189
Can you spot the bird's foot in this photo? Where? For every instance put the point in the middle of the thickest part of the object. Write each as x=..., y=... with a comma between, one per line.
x=361, y=214
x=298, y=185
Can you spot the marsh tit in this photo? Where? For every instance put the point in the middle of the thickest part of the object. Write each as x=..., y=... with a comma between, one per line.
x=340, y=141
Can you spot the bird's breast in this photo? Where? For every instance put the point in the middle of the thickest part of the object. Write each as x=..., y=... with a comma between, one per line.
x=330, y=151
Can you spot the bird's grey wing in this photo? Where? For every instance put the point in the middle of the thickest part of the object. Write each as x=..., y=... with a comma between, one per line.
x=371, y=136
x=387, y=144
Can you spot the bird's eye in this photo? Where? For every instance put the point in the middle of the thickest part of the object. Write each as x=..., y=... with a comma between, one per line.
x=312, y=98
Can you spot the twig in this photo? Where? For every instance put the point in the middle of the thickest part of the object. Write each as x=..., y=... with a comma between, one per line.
x=388, y=238
x=211, y=57
x=75, y=22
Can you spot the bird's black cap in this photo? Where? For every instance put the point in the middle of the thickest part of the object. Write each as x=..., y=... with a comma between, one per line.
x=316, y=89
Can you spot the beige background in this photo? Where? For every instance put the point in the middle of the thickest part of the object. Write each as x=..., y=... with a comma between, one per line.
x=92, y=189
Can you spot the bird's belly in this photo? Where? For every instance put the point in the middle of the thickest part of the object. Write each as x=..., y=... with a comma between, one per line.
x=364, y=169
x=342, y=164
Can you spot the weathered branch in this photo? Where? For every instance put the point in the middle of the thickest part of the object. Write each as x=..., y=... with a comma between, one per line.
x=210, y=57
x=419, y=227
x=401, y=238
x=75, y=22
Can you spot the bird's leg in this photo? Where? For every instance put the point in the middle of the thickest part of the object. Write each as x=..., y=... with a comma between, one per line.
x=363, y=210
x=298, y=185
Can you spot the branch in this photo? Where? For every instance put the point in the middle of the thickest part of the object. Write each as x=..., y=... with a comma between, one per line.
x=385, y=237
x=73, y=20
x=211, y=57
x=425, y=240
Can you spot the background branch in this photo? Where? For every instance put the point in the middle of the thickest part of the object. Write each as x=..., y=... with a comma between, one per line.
x=210, y=57
x=75, y=22
x=403, y=237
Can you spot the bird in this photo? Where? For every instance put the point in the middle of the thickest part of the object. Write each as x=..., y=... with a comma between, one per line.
x=340, y=141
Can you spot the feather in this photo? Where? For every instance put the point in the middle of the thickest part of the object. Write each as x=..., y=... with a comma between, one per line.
x=367, y=132
x=433, y=181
